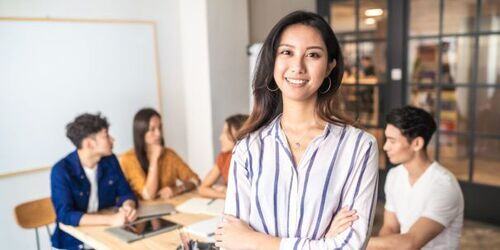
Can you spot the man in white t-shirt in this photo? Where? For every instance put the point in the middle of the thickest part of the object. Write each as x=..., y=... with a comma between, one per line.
x=424, y=204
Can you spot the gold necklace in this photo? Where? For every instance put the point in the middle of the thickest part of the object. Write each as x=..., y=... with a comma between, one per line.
x=297, y=142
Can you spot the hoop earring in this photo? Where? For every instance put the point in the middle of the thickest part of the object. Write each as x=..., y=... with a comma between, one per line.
x=271, y=90
x=329, y=86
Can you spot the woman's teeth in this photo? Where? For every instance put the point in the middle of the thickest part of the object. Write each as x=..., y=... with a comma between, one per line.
x=296, y=81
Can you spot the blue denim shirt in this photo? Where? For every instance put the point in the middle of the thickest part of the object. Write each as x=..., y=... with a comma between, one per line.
x=70, y=191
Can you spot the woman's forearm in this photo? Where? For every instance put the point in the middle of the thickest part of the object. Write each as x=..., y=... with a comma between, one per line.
x=211, y=193
x=265, y=242
x=151, y=186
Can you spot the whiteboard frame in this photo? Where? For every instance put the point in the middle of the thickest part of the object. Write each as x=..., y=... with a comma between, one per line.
x=7, y=174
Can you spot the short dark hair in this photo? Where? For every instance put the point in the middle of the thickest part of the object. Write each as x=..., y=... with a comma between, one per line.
x=413, y=122
x=85, y=125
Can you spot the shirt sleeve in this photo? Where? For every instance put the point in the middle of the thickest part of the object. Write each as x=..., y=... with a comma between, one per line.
x=184, y=172
x=133, y=173
x=238, y=187
x=62, y=198
x=123, y=191
x=360, y=194
x=444, y=203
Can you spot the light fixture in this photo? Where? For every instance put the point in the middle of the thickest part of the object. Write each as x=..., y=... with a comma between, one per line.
x=374, y=12
x=370, y=21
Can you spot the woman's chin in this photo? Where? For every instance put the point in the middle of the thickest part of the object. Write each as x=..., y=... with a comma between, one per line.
x=299, y=96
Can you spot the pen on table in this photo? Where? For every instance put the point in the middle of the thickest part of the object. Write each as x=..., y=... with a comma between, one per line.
x=211, y=201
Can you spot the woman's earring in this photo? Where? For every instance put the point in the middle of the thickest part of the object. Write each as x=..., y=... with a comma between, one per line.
x=329, y=86
x=272, y=90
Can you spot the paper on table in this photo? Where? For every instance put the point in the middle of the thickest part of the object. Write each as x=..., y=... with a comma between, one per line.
x=204, y=228
x=202, y=206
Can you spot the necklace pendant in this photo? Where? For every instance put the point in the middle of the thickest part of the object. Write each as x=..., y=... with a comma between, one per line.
x=297, y=145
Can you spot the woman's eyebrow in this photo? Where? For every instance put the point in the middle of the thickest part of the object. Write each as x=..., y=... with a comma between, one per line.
x=316, y=47
x=308, y=48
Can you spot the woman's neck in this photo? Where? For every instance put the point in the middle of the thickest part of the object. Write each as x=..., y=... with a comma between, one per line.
x=300, y=114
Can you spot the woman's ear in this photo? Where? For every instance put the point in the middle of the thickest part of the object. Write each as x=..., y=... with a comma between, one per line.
x=330, y=67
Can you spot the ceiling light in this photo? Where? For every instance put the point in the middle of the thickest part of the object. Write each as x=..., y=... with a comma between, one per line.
x=370, y=21
x=374, y=12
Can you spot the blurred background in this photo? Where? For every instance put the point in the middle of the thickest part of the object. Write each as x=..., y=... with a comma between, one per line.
x=440, y=55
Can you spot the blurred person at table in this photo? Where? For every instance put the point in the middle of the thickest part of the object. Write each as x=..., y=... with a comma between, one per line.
x=87, y=180
x=152, y=169
x=209, y=187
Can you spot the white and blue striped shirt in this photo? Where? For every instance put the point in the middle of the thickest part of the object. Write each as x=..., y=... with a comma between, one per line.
x=297, y=203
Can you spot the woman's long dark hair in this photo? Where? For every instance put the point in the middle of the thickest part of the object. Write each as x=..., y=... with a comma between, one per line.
x=268, y=104
x=141, y=127
x=234, y=123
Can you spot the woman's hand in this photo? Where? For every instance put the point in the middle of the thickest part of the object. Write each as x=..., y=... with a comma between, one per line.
x=342, y=220
x=233, y=233
x=219, y=188
x=166, y=193
x=154, y=152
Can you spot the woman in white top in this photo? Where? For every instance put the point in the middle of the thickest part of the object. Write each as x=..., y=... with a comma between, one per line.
x=299, y=161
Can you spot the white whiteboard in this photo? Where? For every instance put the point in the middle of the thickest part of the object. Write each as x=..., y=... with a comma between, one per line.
x=53, y=70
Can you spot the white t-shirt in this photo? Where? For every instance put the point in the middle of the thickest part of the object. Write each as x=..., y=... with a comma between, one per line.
x=435, y=195
x=91, y=174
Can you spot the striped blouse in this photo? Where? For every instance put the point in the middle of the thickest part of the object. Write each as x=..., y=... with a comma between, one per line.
x=297, y=203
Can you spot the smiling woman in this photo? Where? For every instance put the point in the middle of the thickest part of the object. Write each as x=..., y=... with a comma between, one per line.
x=297, y=147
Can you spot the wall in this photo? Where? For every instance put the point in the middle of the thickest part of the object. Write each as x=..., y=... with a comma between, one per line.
x=196, y=83
x=264, y=14
x=228, y=41
x=203, y=71
x=27, y=187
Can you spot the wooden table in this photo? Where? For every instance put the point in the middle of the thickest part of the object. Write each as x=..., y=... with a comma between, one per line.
x=98, y=238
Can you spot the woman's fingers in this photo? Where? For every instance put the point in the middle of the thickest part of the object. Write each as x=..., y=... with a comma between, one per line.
x=344, y=212
x=347, y=219
x=341, y=223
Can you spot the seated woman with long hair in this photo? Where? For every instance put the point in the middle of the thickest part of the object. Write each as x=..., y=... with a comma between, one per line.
x=209, y=187
x=152, y=169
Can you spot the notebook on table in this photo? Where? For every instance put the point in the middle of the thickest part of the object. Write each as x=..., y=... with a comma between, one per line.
x=204, y=228
x=214, y=207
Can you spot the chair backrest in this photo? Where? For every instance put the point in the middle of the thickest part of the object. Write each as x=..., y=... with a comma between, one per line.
x=35, y=213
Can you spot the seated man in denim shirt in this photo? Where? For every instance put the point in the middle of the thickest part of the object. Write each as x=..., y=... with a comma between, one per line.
x=87, y=180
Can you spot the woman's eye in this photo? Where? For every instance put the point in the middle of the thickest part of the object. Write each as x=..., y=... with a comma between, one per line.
x=313, y=54
x=285, y=52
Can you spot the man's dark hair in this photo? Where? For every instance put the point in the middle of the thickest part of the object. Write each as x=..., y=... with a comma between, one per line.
x=85, y=125
x=413, y=122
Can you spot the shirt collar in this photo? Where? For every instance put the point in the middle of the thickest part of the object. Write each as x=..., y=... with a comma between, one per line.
x=76, y=165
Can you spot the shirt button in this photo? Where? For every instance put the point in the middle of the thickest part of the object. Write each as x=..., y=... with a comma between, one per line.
x=80, y=246
x=110, y=182
x=81, y=193
x=81, y=177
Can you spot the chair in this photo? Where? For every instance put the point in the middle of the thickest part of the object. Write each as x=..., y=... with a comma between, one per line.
x=35, y=214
